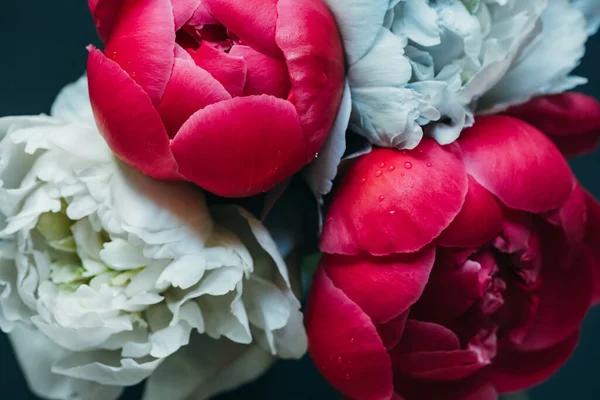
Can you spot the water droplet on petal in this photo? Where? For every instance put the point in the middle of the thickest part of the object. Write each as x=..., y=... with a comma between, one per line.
x=429, y=164
x=381, y=165
x=391, y=168
x=352, y=340
x=133, y=74
x=381, y=198
x=408, y=165
x=363, y=180
x=348, y=377
x=378, y=173
x=392, y=212
x=329, y=219
x=316, y=155
x=402, y=174
x=339, y=360
x=412, y=186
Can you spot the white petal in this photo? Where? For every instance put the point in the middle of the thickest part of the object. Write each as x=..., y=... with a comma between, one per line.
x=359, y=22
x=170, y=339
x=184, y=272
x=120, y=255
x=73, y=103
x=206, y=368
x=321, y=172
x=37, y=355
x=591, y=11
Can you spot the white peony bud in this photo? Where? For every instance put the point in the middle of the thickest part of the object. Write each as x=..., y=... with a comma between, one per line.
x=105, y=274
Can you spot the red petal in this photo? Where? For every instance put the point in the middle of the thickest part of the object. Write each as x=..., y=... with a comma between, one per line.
x=514, y=370
x=572, y=120
x=229, y=70
x=398, y=281
x=592, y=242
x=240, y=147
x=391, y=332
x=516, y=163
x=564, y=299
x=253, y=21
x=105, y=13
x=266, y=75
x=128, y=121
x=396, y=202
x=311, y=44
x=143, y=44
x=345, y=345
x=431, y=351
x=193, y=84
x=479, y=221
x=452, y=290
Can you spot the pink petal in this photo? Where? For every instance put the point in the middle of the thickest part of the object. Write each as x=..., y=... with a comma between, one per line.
x=564, y=299
x=592, y=240
x=571, y=120
x=240, y=147
x=229, y=70
x=311, y=44
x=516, y=163
x=183, y=11
x=143, y=44
x=479, y=221
x=253, y=21
x=196, y=87
x=393, y=201
x=398, y=281
x=105, y=13
x=344, y=343
x=514, y=370
x=128, y=121
x=266, y=75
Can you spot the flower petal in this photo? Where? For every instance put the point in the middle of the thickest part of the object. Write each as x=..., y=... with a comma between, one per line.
x=266, y=75
x=395, y=202
x=242, y=146
x=571, y=120
x=229, y=70
x=193, y=84
x=398, y=281
x=592, y=238
x=311, y=44
x=143, y=44
x=253, y=21
x=479, y=220
x=105, y=13
x=516, y=163
x=345, y=345
x=514, y=370
x=138, y=136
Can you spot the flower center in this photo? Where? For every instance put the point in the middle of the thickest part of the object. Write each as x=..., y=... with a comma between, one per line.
x=215, y=35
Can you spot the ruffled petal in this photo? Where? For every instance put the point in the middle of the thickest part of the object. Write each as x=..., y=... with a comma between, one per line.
x=229, y=70
x=137, y=136
x=514, y=370
x=311, y=44
x=143, y=44
x=264, y=132
x=479, y=220
x=193, y=84
x=253, y=21
x=516, y=163
x=183, y=11
x=398, y=281
x=571, y=120
x=345, y=345
x=266, y=75
x=396, y=201
x=391, y=332
x=105, y=13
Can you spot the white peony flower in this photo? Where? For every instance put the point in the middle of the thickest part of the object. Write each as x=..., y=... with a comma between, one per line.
x=427, y=64
x=108, y=277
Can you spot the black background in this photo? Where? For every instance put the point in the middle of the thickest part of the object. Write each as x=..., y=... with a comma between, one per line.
x=42, y=48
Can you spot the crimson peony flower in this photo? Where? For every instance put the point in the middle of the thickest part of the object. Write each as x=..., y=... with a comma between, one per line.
x=456, y=272
x=235, y=96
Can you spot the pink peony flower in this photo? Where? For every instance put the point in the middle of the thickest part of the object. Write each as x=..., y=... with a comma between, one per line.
x=458, y=272
x=235, y=96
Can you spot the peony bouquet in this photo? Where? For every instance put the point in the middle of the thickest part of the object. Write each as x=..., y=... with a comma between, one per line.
x=380, y=183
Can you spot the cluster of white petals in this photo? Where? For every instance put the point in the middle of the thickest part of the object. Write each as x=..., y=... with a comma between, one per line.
x=108, y=277
x=426, y=66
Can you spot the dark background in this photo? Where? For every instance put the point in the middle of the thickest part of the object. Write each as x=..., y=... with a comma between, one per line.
x=42, y=48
